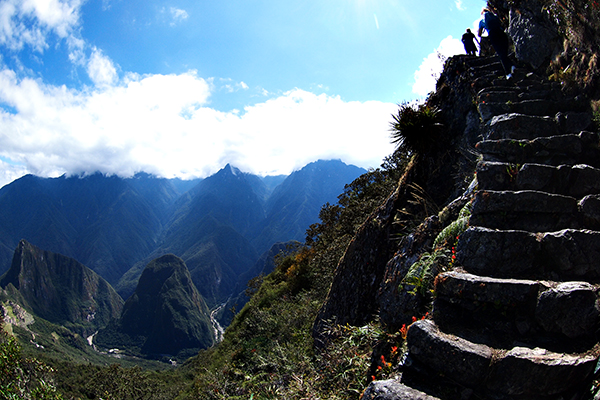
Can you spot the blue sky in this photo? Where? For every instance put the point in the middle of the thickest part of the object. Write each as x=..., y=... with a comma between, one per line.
x=180, y=88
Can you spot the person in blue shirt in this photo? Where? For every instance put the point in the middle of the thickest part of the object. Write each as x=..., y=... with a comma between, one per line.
x=498, y=38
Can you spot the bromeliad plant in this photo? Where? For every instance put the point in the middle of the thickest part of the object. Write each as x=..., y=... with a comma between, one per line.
x=416, y=129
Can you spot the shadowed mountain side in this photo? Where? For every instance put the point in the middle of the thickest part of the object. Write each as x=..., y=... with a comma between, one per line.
x=215, y=254
x=165, y=314
x=263, y=267
x=107, y=223
x=295, y=204
x=61, y=290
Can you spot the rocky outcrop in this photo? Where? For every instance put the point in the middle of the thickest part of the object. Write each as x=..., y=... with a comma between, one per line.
x=516, y=316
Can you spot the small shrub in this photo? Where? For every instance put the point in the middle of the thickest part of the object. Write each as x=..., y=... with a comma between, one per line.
x=416, y=129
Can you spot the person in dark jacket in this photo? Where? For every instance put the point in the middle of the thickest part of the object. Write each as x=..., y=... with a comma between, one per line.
x=498, y=38
x=468, y=41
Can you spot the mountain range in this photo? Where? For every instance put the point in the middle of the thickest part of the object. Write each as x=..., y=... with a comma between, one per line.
x=219, y=226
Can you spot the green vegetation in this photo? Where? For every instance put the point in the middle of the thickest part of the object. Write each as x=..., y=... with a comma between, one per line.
x=419, y=278
x=22, y=377
x=268, y=350
x=416, y=129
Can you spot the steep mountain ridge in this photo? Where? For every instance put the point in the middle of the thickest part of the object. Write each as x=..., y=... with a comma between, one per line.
x=165, y=315
x=83, y=218
x=61, y=290
x=116, y=226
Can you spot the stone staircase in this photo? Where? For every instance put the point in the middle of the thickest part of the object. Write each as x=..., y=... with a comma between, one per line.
x=519, y=316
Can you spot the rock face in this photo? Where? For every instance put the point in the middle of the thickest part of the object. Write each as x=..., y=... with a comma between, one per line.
x=515, y=313
x=165, y=315
x=61, y=290
x=535, y=37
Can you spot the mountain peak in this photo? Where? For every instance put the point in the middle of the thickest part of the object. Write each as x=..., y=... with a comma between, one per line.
x=60, y=289
x=166, y=314
x=231, y=169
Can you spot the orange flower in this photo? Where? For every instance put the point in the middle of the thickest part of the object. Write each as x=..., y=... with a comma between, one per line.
x=394, y=349
x=403, y=331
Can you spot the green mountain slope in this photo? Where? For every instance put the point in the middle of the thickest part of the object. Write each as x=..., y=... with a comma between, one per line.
x=61, y=290
x=165, y=315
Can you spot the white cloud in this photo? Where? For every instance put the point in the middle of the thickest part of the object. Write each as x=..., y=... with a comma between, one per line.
x=161, y=124
x=432, y=65
x=459, y=5
x=178, y=15
x=28, y=22
x=9, y=172
x=101, y=69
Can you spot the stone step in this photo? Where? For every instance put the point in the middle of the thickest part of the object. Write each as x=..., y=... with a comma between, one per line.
x=472, y=61
x=569, y=254
x=515, y=309
x=534, y=107
x=530, y=126
x=517, y=372
x=571, y=149
x=576, y=180
x=505, y=125
x=526, y=210
x=508, y=94
x=392, y=389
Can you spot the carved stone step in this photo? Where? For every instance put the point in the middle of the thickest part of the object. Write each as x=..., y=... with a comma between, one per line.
x=505, y=125
x=524, y=210
x=577, y=181
x=392, y=389
x=520, y=371
x=529, y=125
x=563, y=255
x=509, y=94
x=535, y=107
x=569, y=149
x=538, y=372
x=516, y=309
x=458, y=359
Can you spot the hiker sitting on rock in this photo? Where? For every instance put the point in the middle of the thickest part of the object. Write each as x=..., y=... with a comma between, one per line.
x=467, y=39
x=498, y=39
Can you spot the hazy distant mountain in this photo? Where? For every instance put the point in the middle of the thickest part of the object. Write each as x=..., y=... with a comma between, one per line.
x=165, y=315
x=106, y=223
x=295, y=204
x=61, y=290
x=219, y=227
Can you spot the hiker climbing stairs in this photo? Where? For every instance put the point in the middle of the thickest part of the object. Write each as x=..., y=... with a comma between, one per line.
x=517, y=316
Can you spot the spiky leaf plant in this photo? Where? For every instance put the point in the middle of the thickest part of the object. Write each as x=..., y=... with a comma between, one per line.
x=416, y=129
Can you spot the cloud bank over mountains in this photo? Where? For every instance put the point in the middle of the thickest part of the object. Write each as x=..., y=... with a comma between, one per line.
x=124, y=122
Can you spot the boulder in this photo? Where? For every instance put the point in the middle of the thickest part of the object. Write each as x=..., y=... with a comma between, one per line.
x=535, y=40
